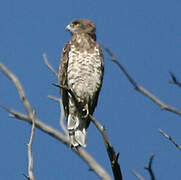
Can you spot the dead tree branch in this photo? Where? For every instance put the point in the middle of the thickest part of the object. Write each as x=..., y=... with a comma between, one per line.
x=170, y=139
x=19, y=88
x=49, y=65
x=139, y=88
x=149, y=167
x=47, y=129
x=30, y=154
x=62, y=116
x=113, y=157
x=137, y=175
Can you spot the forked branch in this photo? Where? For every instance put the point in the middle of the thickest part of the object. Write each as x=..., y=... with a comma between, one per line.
x=113, y=157
x=49, y=65
x=149, y=167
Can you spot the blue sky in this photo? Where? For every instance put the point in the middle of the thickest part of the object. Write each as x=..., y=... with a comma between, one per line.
x=144, y=35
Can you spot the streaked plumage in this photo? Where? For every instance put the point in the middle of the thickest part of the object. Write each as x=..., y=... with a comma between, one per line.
x=81, y=69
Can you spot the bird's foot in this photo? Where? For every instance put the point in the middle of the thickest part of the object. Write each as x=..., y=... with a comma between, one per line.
x=85, y=111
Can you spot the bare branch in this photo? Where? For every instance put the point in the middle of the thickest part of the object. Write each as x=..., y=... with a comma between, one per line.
x=170, y=139
x=137, y=175
x=174, y=80
x=139, y=88
x=62, y=116
x=49, y=65
x=40, y=125
x=30, y=154
x=149, y=167
x=19, y=88
x=113, y=157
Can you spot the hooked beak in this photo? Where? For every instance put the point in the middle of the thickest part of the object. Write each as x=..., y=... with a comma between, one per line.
x=68, y=27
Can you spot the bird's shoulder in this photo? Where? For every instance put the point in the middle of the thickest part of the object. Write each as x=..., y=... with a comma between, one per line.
x=64, y=63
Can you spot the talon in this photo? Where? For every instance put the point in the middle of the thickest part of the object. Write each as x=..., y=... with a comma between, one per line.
x=85, y=111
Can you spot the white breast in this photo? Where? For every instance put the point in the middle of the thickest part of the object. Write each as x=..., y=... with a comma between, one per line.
x=84, y=72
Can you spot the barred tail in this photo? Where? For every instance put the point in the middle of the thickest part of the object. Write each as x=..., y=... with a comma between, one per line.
x=77, y=130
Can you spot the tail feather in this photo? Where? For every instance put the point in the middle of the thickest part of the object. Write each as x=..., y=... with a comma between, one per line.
x=73, y=122
x=77, y=130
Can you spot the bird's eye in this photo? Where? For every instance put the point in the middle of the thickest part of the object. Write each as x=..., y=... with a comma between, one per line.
x=77, y=24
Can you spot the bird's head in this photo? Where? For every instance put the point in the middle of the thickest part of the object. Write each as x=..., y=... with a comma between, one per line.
x=81, y=26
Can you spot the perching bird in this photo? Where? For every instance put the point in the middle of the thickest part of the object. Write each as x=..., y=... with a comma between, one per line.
x=81, y=70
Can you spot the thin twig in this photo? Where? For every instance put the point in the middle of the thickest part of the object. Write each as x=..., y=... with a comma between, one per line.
x=170, y=139
x=62, y=116
x=49, y=65
x=139, y=88
x=137, y=175
x=113, y=157
x=30, y=154
x=174, y=80
x=149, y=167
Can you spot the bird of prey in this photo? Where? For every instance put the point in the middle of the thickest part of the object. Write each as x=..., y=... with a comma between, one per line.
x=81, y=71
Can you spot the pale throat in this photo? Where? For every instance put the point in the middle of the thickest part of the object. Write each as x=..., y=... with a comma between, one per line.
x=82, y=41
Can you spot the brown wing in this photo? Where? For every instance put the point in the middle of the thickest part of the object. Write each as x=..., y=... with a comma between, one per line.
x=63, y=77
